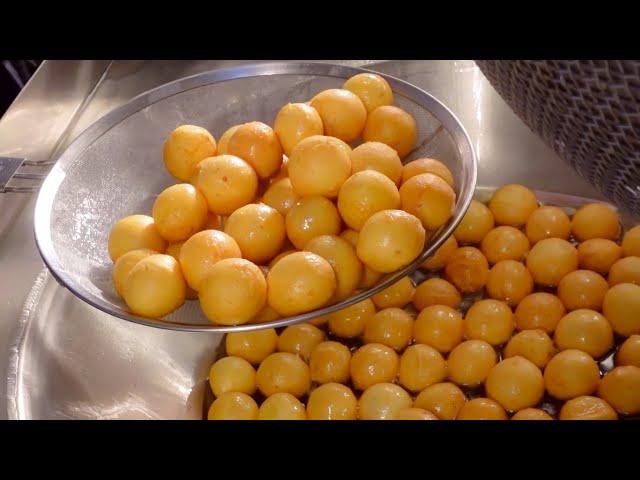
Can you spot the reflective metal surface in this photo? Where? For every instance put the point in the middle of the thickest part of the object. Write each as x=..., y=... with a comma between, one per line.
x=64, y=98
x=97, y=180
x=33, y=127
x=70, y=361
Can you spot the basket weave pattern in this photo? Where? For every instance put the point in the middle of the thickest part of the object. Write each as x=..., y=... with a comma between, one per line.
x=587, y=111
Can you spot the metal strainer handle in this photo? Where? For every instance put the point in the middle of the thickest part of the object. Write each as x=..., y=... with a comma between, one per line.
x=10, y=170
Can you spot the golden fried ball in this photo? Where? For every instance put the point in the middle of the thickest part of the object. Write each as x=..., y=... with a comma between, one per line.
x=505, y=243
x=311, y=217
x=539, y=310
x=155, y=286
x=258, y=145
x=397, y=295
x=378, y=157
x=294, y=123
x=382, y=401
x=621, y=306
x=441, y=256
x=300, y=339
x=532, y=414
x=300, y=282
x=343, y=113
x=439, y=326
x=629, y=352
x=631, y=242
x=509, y=281
x=224, y=140
x=232, y=374
x=213, y=222
x=515, y=383
x=319, y=165
x=283, y=372
x=414, y=414
x=421, y=366
x=587, y=408
x=125, y=264
x=442, y=399
x=343, y=259
x=332, y=401
x=227, y=182
x=179, y=212
x=372, y=89
x=482, y=409
x=489, y=320
x=279, y=257
x=620, y=388
x=547, y=222
x=390, y=239
x=283, y=172
x=233, y=293
x=436, y=291
x=133, y=233
x=571, y=373
x=598, y=254
x=173, y=249
x=350, y=322
x=429, y=198
x=282, y=406
x=373, y=363
x=393, y=126
x=184, y=148
x=202, y=251
x=625, y=270
x=512, y=204
x=392, y=327
x=365, y=193
x=350, y=236
x=550, y=260
x=470, y=362
x=369, y=276
x=534, y=345
x=427, y=165
x=233, y=406
x=476, y=223
x=281, y=196
x=330, y=362
x=259, y=231
x=267, y=314
x=595, y=220
x=467, y=269
x=252, y=346
x=585, y=330
x=582, y=289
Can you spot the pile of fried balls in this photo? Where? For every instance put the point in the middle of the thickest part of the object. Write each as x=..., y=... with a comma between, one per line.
x=518, y=311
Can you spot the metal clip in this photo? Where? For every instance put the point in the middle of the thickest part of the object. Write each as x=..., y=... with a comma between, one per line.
x=9, y=173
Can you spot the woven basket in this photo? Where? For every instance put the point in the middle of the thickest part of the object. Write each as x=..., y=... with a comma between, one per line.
x=587, y=111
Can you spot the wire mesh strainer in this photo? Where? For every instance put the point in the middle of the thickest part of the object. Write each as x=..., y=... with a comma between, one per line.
x=587, y=111
x=115, y=169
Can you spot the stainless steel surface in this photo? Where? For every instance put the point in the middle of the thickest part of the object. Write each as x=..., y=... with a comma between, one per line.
x=10, y=173
x=64, y=98
x=31, y=128
x=8, y=168
x=97, y=180
x=69, y=360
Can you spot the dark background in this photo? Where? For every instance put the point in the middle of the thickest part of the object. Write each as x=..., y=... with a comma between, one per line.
x=14, y=74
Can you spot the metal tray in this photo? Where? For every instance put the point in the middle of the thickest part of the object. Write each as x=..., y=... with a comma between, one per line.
x=72, y=361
